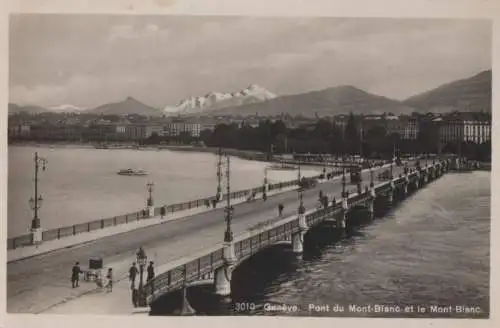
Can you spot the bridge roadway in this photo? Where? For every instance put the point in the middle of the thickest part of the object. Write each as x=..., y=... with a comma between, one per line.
x=37, y=284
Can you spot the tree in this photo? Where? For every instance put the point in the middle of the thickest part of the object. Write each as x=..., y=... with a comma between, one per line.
x=351, y=135
x=278, y=128
x=153, y=139
x=185, y=137
x=376, y=139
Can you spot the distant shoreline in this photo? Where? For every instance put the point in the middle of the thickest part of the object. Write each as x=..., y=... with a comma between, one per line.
x=243, y=154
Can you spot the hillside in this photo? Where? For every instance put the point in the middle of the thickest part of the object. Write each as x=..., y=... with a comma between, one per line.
x=471, y=94
x=15, y=109
x=336, y=100
x=127, y=106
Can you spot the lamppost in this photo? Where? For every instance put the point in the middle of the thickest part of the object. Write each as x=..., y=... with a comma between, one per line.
x=302, y=209
x=141, y=260
x=150, y=186
x=264, y=190
x=36, y=202
x=228, y=234
x=151, y=209
x=392, y=157
x=219, y=176
x=344, y=194
x=371, y=177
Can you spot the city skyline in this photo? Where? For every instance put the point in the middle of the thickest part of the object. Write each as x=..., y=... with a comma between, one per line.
x=83, y=64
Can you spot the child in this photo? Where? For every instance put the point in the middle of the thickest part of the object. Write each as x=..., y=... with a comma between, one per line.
x=109, y=277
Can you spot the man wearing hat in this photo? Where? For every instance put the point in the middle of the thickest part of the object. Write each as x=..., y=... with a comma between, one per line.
x=75, y=275
x=151, y=271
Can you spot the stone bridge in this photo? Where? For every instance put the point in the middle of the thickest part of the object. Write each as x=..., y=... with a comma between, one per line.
x=215, y=266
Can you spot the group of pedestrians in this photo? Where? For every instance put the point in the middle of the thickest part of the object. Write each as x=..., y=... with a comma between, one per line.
x=132, y=275
x=76, y=271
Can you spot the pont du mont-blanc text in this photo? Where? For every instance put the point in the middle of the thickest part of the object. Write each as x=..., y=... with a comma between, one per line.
x=391, y=308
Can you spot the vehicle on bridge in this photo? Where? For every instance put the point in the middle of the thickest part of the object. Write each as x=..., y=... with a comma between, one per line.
x=355, y=174
x=385, y=175
x=307, y=183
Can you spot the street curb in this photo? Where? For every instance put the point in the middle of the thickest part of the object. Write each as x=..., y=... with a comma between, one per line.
x=147, y=226
x=120, y=233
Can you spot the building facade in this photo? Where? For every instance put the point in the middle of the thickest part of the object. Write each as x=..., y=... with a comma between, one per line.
x=464, y=127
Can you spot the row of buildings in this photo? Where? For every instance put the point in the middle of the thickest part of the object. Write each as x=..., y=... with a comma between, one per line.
x=457, y=126
x=105, y=130
x=451, y=127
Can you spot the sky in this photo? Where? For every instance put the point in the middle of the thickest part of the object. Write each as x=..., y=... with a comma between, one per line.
x=90, y=60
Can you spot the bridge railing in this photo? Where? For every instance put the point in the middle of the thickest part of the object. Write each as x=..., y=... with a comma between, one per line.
x=181, y=275
x=259, y=238
x=66, y=231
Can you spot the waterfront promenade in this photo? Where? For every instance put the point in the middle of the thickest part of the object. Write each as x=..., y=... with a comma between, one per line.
x=40, y=283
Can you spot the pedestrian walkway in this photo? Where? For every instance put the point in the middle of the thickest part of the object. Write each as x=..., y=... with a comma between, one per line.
x=87, y=237
x=119, y=301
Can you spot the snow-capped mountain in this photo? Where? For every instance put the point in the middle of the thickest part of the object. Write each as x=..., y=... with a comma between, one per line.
x=216, y=100
x=66, y=108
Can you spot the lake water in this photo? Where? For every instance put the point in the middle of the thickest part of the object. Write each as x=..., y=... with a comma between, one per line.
x=81, y=184
x=432, y=251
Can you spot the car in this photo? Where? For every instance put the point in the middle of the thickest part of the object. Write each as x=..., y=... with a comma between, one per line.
x=307, y=183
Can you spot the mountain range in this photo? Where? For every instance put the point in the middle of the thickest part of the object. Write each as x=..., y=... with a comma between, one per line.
x=470, y=94
x=342, y=99
x=216, y=100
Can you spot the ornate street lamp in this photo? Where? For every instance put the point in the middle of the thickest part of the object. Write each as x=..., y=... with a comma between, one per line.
x=264, y=190
x=36, y=202
x=392, y=160
x=142, y=259
x=228, y=234
x=302, y=209
x=219, y=176
x=344, y=194
x=150, y=186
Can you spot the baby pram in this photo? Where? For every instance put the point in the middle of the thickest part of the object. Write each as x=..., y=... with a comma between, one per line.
x=94, y=271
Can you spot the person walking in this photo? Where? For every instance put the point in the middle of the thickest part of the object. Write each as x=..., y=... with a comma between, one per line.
x=135, y=297
x=75, y=275
x=151, y=271
x=132, y=274
x=280, y=209
x=109, y=277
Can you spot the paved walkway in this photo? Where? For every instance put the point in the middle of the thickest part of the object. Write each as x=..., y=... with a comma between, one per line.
x=86, y=237
x=166, y=252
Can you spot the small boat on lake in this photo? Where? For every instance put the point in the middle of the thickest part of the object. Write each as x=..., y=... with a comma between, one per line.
x=132, y=172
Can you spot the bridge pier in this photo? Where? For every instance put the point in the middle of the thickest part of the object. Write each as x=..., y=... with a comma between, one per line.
x=151, y=211
x=222, y=281
x=390, y=194
x=371, y=203
x=342, y=218
x=298, y=238
x=186, y=308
